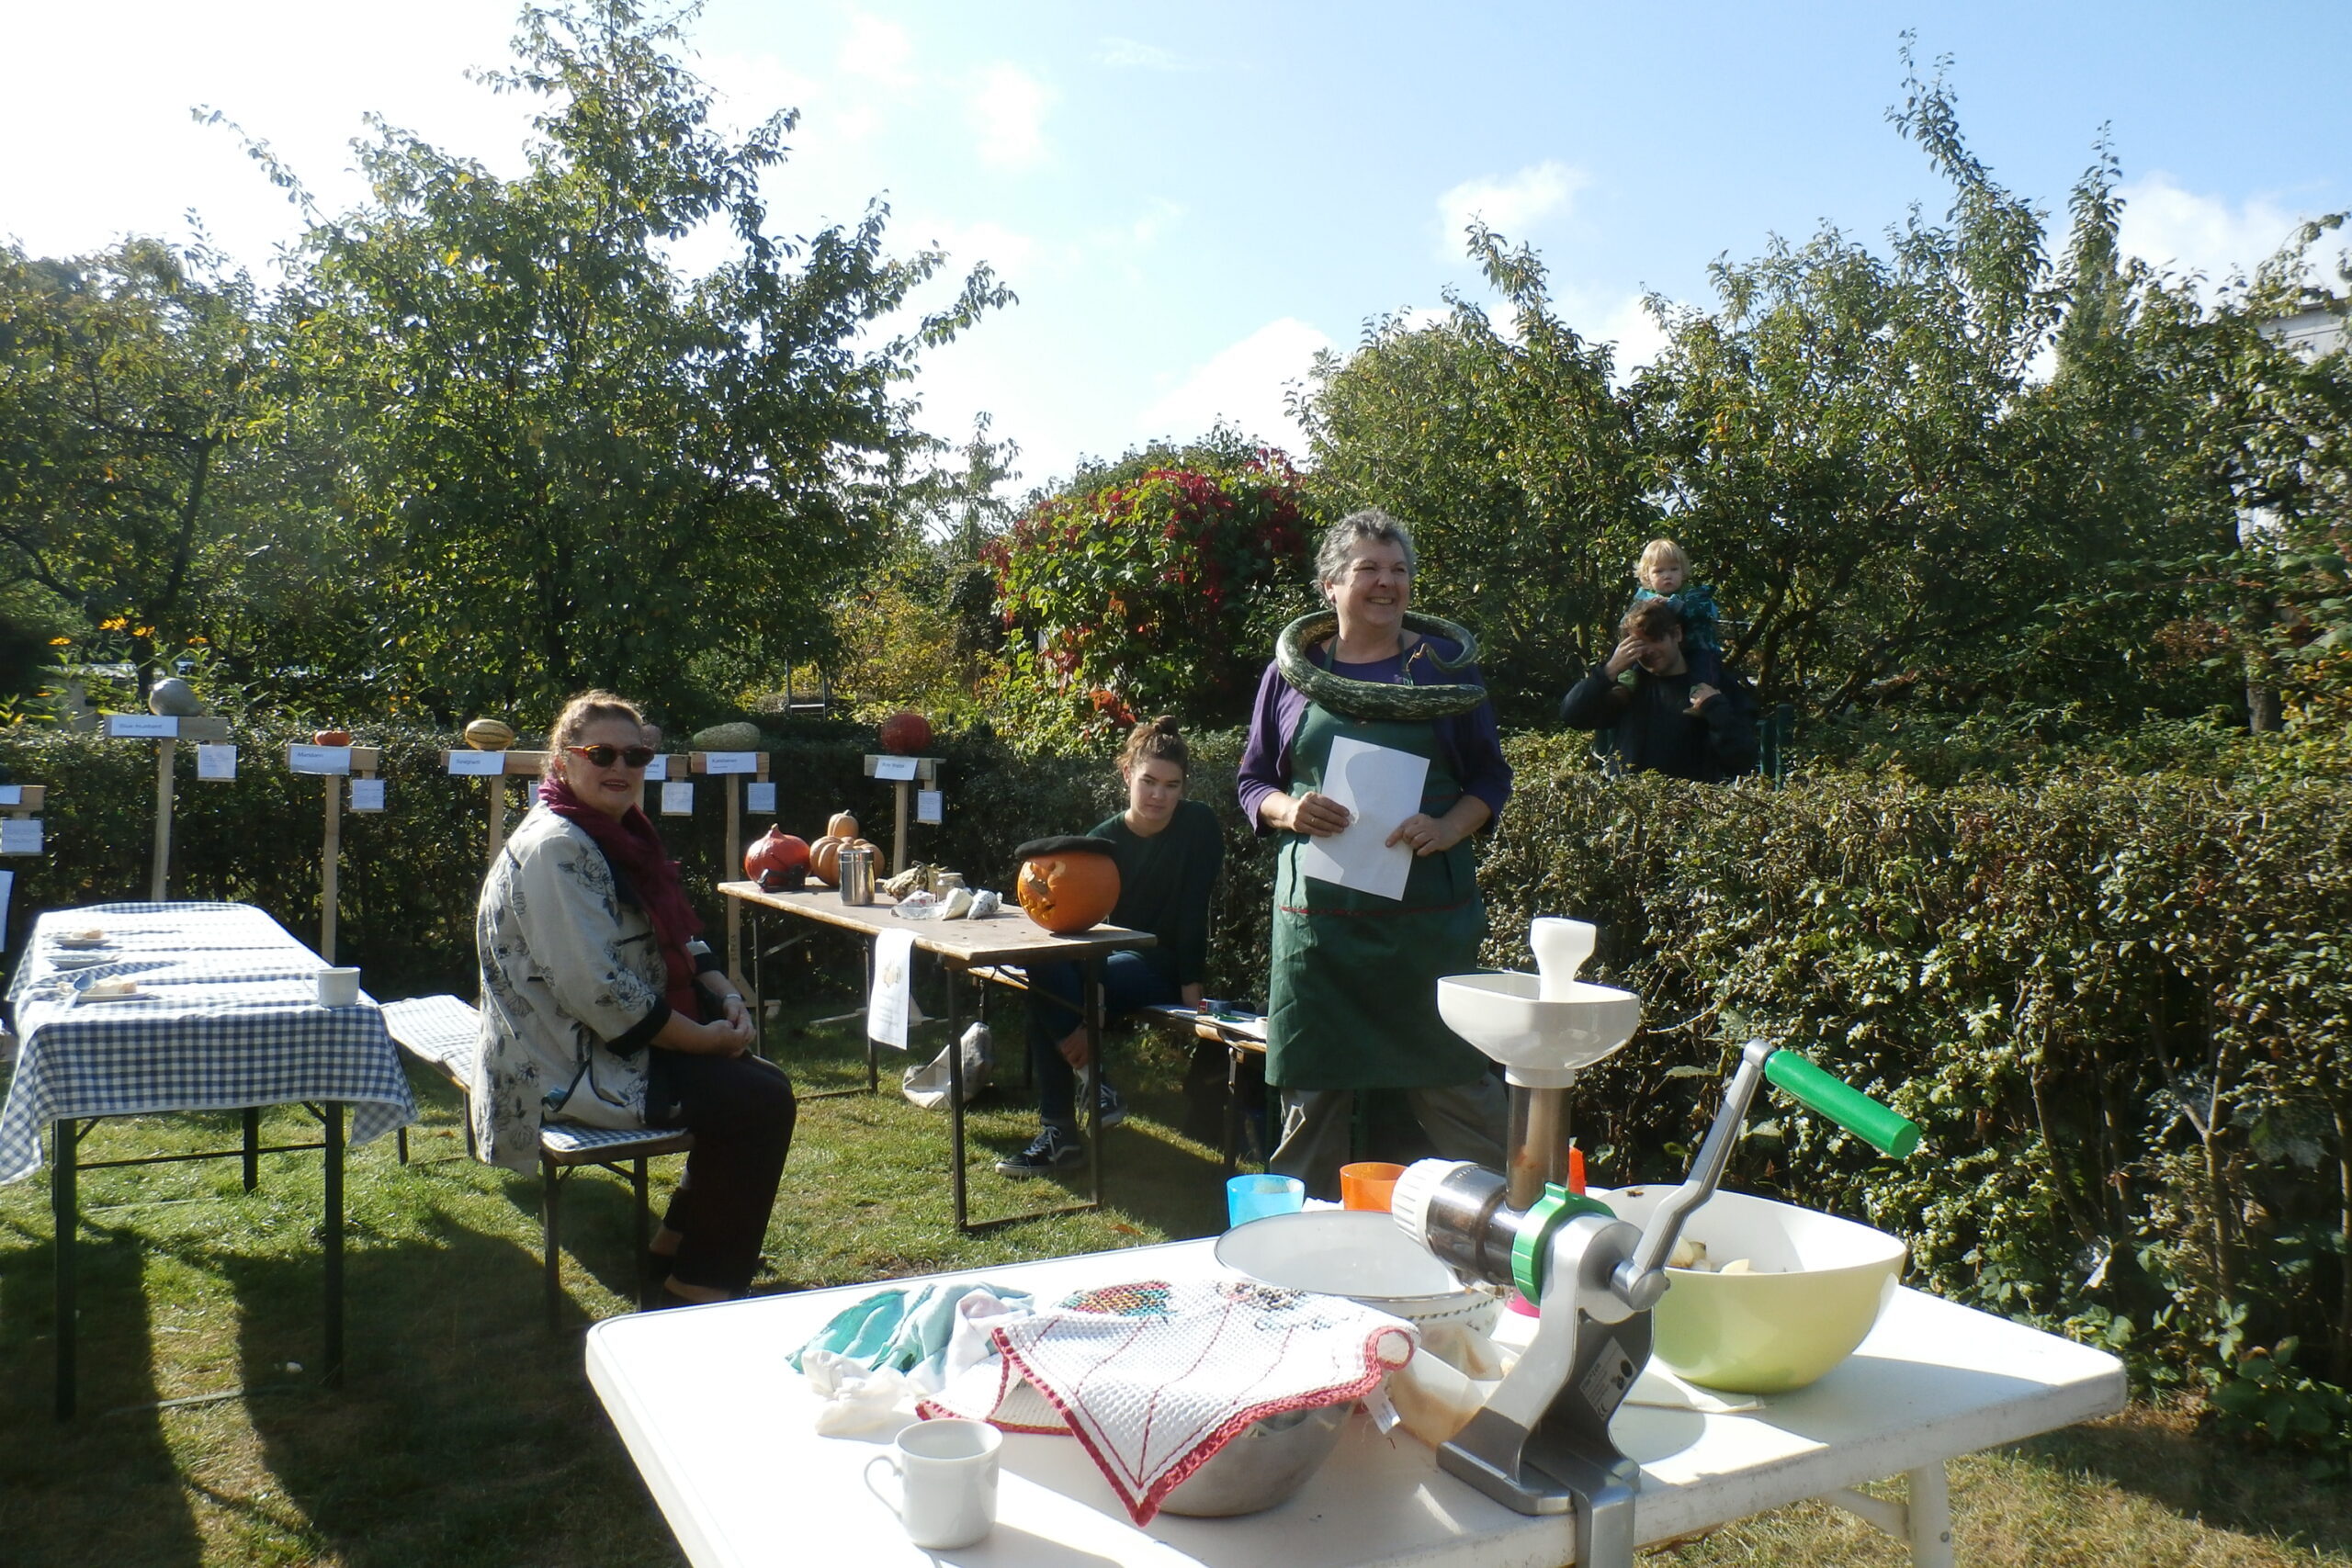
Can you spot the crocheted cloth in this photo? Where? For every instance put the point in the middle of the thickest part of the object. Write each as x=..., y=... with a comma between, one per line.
x=1153, y=1379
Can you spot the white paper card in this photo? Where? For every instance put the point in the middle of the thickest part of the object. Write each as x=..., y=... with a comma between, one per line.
x=1380, y=786
x=894, y=767
x=366, y=794
x=217, y=761
x=931, y=807
x=677, y=798
x=8, y=882
x=143, y=725
x=760, y=796
x=530, y=795
x=894, y=970
x=477, y=764
x=19, y=835
x=731, y=762
x=658, y=769
x=335, y=760
x=12, y=794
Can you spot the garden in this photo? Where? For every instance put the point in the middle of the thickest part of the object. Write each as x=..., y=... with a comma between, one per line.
x=2033, y=564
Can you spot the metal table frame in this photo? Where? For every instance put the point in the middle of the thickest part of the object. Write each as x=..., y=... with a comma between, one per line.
x=962, y=946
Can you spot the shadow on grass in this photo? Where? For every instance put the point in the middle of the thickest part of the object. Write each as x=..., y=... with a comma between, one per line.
x=99, y=1488
x=2164, y=1455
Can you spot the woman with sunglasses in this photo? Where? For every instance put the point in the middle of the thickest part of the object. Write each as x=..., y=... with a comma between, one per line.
x=602, y=1005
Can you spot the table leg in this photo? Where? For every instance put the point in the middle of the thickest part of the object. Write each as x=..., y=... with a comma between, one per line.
x=253, y=1147
x=1232, y=1105
x=1929, y=1510
x=956, y=1101
x=1092, y=1004
x=873, y=1068
x=759, y=978
x=331, y=1114
x=65, y=1207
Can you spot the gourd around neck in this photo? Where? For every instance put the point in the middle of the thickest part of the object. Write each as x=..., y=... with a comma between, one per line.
x=1370, y=648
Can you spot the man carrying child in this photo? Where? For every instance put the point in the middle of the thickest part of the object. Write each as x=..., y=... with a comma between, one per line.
x=1666, y=719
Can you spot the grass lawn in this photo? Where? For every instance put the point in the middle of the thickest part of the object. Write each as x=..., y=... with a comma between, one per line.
x=466, y=1434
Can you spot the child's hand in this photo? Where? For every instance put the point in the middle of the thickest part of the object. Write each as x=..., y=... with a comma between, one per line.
x=1700, y=696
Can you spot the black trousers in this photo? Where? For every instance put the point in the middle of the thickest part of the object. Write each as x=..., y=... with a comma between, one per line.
x=741, y=1111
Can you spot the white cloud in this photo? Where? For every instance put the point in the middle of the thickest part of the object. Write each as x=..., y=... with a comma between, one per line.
x=1509, y=205
x=1244, y=386
x=877, y=51
x=2181, y=230
x=1005, y=250
x=1639, y=339
x=1009, y=111
x=1135, y=54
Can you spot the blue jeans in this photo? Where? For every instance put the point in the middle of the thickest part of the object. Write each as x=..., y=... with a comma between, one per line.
x=1054, y=990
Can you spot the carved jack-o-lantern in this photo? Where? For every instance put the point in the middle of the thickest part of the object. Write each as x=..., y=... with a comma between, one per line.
x=1068, y=884
x=779, y=862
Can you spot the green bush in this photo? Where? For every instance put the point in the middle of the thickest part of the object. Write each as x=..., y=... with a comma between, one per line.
x=2120, y=1006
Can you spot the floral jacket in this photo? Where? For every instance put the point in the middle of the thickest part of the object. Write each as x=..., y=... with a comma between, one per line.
x=570, y=970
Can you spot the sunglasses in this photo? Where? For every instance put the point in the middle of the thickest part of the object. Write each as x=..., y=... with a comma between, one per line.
x=606, y=756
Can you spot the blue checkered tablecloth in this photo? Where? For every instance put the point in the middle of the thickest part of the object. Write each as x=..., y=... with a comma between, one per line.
x=228, y=1017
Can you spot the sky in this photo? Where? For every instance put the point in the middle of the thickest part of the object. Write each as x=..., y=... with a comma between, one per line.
x=1191, y=200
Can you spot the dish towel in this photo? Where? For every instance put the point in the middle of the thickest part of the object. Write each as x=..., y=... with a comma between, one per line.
x=1153, y=1378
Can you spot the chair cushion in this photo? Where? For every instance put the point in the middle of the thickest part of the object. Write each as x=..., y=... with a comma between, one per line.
x=568, y=1143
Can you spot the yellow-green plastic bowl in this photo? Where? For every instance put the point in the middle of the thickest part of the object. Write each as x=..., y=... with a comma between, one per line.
x=1827, y=1281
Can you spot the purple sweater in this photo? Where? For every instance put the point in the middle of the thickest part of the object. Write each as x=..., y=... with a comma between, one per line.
x=1467, y=744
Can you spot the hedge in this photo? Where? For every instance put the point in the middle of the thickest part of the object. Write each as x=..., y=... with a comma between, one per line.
x=2118, y=1004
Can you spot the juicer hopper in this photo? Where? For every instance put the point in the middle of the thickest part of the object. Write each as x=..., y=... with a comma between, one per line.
x=1543, y=1028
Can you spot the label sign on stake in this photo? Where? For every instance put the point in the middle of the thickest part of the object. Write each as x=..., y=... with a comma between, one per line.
x=143, y=725
x=677, y=798
x=760, y=796
x=894, y=767
x=216, y=761
x=19, y=835
x=334, y=760
x=731, y=762
x=12, y=794
x=657, y=769
x=930, y=807
x=366, y=794
x=477, y=764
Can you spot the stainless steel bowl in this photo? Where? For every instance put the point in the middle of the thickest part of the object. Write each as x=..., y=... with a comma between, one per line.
x=1264, y=1466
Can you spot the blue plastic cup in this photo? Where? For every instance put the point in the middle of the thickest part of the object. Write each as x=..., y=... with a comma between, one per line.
x=1250, y=1198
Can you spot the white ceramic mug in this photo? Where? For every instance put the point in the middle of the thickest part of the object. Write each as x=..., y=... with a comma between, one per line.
x=338, y=987
x=946, y=1481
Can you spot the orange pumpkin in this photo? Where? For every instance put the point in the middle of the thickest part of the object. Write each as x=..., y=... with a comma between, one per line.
x=841, y=825
x=777, y=863
x=825, y=856
x=1067, y=884
x=331, y=737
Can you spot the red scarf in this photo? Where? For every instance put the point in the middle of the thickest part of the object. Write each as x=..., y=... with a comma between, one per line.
x=635, y=850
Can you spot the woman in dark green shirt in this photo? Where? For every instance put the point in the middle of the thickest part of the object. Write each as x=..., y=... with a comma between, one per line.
x=1168, y=851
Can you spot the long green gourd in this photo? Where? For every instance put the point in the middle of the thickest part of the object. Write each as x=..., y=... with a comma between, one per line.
x=1377, y=699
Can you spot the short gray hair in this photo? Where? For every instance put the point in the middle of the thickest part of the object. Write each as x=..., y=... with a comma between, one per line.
x=1341, y=538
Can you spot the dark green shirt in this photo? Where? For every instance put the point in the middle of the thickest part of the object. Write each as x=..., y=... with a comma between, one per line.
x=1164, y=885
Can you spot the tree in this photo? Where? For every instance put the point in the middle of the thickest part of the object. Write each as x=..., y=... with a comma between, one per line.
x=567, y=463
x=130, y=383
x=1510, y=457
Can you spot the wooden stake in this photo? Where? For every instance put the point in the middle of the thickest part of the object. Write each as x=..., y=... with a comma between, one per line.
x=160, y=879
x=497, y=816
x=331, y=867
x=898, y=833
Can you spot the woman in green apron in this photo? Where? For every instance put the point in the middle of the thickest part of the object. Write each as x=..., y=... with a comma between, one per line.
x=1352, y=994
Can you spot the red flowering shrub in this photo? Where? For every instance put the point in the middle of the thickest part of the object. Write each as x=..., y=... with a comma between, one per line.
x=1160, y=593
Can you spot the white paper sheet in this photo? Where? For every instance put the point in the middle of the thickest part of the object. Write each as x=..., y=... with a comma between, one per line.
x=216, y=761
x=21, y=836
x=7, y=884
x=760, y=796
x=677, y=798
x=12, y=794
x=1380, y=786
x=894, y=969
x=658, y=770
x=143, y=725
x=931, y=807
x=477, y=764
x=319, y=759
x=731, y=762
x=366, y=794
x=894, y=767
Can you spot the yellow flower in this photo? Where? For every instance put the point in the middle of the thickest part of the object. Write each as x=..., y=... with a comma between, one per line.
x=60, y=642
x=142, y=631
x=119, y=623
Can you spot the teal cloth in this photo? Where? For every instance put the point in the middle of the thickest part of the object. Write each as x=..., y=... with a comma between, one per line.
x=901, y=1328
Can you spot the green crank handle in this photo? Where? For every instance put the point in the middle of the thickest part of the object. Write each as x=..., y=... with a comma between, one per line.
x=1887, y=1131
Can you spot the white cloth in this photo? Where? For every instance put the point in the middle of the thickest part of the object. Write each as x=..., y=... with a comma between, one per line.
x=1154, y=1378
x=566, y=965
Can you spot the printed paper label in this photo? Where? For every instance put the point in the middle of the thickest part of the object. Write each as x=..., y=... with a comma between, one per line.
x=760, y=796
x=143, y=725
x=331, y=760
x=366, y=794
x=217, y=761
x=677, y=798
x=477, y=764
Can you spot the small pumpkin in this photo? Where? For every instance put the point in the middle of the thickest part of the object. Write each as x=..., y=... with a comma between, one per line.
x=331, y=737
x=778, y=863
x=825, y=856
x=906, y=734
x=489, y=735
x=1068, y=884
x=841, y=825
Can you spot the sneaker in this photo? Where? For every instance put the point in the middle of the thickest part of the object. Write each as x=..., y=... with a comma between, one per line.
x=1052, y=1150
x=1110, y=1107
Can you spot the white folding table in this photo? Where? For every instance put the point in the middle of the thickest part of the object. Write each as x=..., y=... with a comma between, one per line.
x=721, y=1427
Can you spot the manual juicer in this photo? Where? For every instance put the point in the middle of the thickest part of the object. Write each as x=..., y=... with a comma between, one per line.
x=1541, y=1445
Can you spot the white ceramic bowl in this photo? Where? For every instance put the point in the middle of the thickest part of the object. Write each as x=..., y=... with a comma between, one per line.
x=1821, y=1285
x=1359, y=1254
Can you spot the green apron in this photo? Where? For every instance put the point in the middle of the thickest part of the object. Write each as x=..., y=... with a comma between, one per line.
x=1352, y=994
